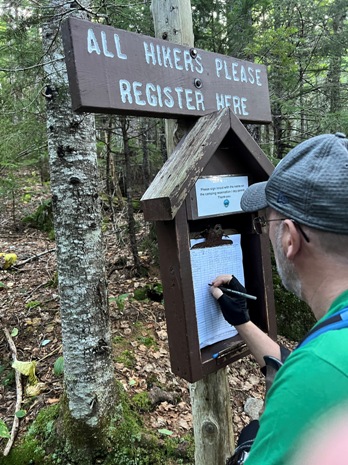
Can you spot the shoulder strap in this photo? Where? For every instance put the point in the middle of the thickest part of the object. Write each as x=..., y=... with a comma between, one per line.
x=337, y=321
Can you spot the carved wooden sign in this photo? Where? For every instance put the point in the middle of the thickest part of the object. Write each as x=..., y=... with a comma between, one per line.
x=115, y=71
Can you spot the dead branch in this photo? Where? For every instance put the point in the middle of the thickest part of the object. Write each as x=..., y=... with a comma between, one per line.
x=57, y=349
x=34, y=257
x=19, y=394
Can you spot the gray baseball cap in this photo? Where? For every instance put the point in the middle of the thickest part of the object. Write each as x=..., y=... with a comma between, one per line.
x=310, y=185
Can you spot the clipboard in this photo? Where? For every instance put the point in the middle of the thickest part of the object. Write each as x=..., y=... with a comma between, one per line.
x=214, y=253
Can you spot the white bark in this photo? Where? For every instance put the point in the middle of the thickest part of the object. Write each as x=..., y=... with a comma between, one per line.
x=88, y=369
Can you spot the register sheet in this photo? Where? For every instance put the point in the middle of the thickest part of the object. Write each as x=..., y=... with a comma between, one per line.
x=207, y=263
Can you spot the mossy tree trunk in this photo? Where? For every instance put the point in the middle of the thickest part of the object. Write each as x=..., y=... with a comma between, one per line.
x=89, y=389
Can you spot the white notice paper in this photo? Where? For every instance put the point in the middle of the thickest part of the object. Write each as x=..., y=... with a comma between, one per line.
x=208, y=263
x=220, y=195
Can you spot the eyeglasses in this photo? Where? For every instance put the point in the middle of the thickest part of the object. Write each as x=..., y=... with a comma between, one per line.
x=260, y=223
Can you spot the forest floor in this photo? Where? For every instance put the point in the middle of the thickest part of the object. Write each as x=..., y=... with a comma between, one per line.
x=29, y=309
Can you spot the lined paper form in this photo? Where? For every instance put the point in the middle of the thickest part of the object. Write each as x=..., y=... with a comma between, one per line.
x=208, y=263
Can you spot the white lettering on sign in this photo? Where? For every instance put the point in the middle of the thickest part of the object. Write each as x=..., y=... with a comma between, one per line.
x=237, y=72
x=94, y=47
x=238, y=104
x=157, y=96
x=173, y=58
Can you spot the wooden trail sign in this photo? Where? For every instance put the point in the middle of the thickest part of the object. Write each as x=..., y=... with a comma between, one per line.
x=115, y=71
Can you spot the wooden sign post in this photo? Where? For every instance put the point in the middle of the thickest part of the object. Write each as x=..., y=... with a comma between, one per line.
x=196, y=193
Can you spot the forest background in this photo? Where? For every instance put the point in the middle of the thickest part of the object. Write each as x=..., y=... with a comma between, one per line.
x=302, y=43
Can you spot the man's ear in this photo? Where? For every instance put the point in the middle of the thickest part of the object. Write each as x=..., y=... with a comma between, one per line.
x=291, y=239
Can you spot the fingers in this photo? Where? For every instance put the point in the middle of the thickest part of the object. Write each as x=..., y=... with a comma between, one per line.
x=221, y=280
x=216, y=292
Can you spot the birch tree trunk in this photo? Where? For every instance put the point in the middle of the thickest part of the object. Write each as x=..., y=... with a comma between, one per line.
x=88, y=370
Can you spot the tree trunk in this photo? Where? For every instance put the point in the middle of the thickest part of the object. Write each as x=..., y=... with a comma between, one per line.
x=145, y=150
x=339, y=13
x=112, y=185
x=88, y=370
x=130, y=209
x=277, y=110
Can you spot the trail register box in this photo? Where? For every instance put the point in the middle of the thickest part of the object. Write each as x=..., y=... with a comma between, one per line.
x=202, y=232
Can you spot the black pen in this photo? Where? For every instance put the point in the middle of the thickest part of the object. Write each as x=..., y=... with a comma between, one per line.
x=232, y=291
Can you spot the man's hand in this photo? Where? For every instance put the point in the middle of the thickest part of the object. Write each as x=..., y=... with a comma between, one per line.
x=221, y=280
x=234, y=309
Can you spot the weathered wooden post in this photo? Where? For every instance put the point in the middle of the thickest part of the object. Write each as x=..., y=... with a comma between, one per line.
x=210, y=397
x=172, y=21
x=212, y=418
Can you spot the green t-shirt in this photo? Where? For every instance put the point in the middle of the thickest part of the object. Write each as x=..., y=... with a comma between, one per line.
x=312, y=381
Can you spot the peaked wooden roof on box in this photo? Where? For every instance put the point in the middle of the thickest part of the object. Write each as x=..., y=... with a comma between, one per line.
x=180, y=172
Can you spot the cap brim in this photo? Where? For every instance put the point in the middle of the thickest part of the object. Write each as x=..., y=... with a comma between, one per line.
x=254, y=198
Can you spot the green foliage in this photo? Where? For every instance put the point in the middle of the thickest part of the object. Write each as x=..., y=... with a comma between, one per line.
x=294, y=317
x=7, y=374
x=58, y=367
x=21, y=413
x=134, y=445
x=129, y=442
x=149, y=291
x=31, y=448
x=32, y=304
x=14, y=332
x=304, y=46
x=127, y=358
x=140, y=293
x=43, y=425
x=120, y=300
x=22, y=128
x=53, y=282
x=4, y=432
x=27, y=452
x=141, y=402
x=147, y=341
x=42, y=218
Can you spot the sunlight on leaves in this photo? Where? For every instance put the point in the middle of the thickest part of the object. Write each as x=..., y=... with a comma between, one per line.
x=14, y=332
x=4, y=432
x=26, y=369
x=35, y=390
x=166, y=432
x=7, y=260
